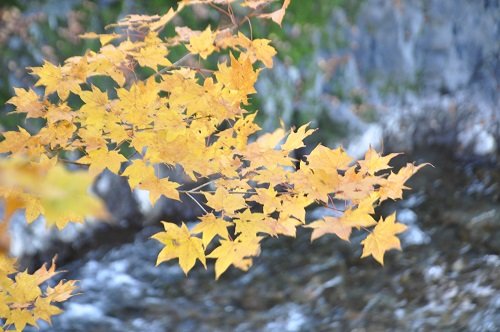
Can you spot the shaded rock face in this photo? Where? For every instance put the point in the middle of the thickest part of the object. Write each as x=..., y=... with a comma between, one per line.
x=436, y=64
x=428, y=69
x=439, y=45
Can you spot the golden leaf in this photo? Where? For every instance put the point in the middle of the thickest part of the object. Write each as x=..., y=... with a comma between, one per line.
x=383, y=238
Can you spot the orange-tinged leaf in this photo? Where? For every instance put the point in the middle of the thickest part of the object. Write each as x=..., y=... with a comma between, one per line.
x=255, y=3
x=330, y=225
x=62, y=291
x=277, y=16
x=43, y=274
x=394, y=185
x=383, y=238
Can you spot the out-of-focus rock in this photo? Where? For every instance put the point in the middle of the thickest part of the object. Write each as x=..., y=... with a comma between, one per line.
x=428, y=72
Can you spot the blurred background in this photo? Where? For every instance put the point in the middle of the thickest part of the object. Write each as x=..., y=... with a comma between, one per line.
x=414, y=76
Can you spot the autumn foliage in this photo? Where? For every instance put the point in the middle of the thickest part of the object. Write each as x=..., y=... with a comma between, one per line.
x=179, y=112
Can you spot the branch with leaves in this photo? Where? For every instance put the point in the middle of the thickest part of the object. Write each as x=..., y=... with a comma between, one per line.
x=172, y=113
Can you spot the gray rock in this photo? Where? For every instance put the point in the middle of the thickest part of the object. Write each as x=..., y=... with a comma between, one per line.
x=429, y=70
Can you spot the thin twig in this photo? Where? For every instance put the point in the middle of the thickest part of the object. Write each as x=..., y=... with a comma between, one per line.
x=66, y=161
x=201, y=186
x=175, y=64
x=198, y=203
x=250, y=26
x=219, y=9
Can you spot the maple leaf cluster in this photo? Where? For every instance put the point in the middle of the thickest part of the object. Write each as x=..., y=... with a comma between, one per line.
x=22, y=299
x=181, y=115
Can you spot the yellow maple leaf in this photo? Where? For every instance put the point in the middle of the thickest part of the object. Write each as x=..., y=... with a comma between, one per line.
x=374, y=162
x=239, y=78
x=283, y=226
x=57, y=79
x=328, y=159
x=361, y=216
x=96, y=103
x=223, y=200
x=295, y=206
x=152, y=57
x=268, y=198
x=138, y=171
x=59, y=112
x=203, y=43
x=158, y=187
x=295, y=140
x=210, y=226
x=48, y=188
x=138, y=105
x=100, y=159
x=383, y=238
x=27, y=101
x=44, y=310
x=256, y=49
x=64, y=197
x=251, y=224
x=317, y=183
x=15, y=141
x=20, y=318
x=238, y=253
x=179, y=243
x=26, y=288
x=57, y=134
